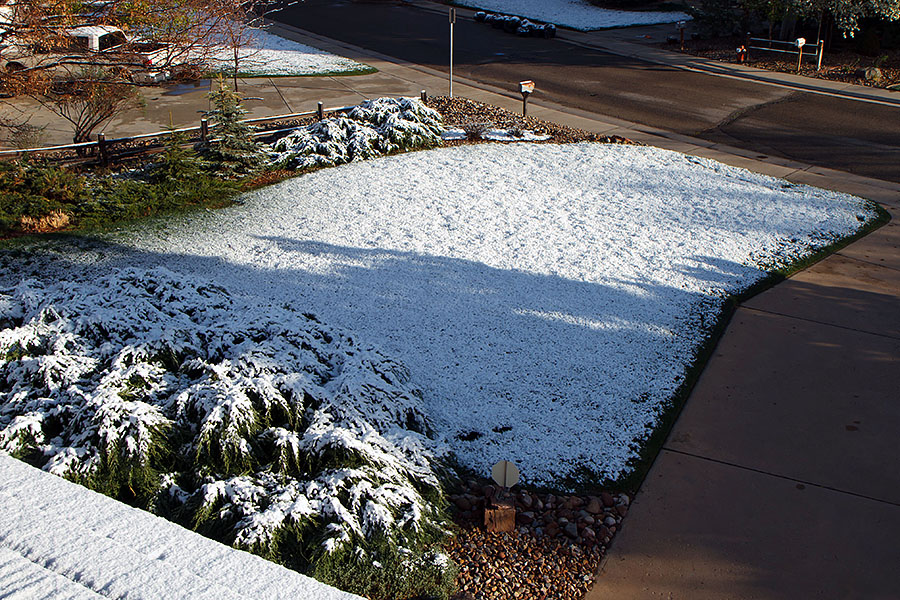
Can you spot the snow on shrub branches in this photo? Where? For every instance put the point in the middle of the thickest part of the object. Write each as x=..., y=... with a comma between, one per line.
x=374, y=128
x=253, y=420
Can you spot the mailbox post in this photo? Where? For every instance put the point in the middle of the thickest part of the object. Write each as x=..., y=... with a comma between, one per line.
x=681, y=26
x=799, y=42
x=526, y=88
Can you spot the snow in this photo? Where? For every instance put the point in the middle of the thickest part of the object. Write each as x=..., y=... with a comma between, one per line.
x=495, y=135
x=265, y=397
x=575, y=14
x=546, y=299
x=60, y=540
x=267, y=54
x=371, y=129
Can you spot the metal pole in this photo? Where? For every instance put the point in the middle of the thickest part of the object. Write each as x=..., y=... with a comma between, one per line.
x=452, y=22
x=819, y=41
x=320, y=111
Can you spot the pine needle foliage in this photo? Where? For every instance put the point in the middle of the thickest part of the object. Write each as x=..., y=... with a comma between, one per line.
x=33, y=190
x=180, y=163
x=372, y=129
x=233, y=150
x=255, y=424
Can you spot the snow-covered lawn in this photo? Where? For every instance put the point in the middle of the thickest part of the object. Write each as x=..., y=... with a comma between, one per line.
x=267, y=54
x=576, y=14
x=547, y=299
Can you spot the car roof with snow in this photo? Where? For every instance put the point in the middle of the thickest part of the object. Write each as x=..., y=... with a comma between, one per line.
x=89, y=30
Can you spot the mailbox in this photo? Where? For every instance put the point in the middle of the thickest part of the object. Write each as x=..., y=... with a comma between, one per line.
x=526, y=87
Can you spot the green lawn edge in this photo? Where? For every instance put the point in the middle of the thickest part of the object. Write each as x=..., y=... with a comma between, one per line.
x=654, y=443
x=363, y=70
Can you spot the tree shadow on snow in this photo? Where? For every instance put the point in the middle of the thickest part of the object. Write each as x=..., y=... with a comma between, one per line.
x=553, y=373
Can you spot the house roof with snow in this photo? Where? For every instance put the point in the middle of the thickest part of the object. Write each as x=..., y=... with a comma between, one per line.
x=61, y=540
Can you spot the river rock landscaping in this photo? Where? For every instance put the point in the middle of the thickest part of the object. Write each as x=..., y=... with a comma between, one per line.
x=554, y=552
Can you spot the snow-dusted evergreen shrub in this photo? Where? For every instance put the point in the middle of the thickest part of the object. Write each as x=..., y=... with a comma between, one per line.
x=254, y=423
x=374, y=128
x=233, y=151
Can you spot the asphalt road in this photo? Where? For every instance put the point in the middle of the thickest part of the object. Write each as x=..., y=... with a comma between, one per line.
x=847, y=135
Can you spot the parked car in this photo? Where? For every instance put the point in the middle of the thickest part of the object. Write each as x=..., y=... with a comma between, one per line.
x=100, y=44
x=92, y=39
x=97, y=38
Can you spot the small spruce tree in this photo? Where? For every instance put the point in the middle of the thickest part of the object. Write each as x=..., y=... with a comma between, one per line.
x=179, y=164
x=233, y=150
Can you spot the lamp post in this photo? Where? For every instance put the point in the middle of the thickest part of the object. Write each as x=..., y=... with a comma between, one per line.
x=452, y=23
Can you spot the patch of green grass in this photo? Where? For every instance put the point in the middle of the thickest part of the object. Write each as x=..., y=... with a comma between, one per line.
x=382, y=571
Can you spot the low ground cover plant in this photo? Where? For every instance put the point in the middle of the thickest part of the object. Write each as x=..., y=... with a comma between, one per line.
x=374, y=128
x=37, y=197
x=257, y=425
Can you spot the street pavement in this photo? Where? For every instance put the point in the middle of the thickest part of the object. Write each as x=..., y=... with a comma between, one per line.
x=625, y=74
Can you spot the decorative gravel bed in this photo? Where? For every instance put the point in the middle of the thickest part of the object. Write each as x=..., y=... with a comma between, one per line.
x=554, y=552
x=470, y=115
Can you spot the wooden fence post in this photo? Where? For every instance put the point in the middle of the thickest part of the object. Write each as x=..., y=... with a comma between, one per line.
x=204, y=130
x=102, y=149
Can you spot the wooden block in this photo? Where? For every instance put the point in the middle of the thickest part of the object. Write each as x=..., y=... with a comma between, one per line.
x=500, y=517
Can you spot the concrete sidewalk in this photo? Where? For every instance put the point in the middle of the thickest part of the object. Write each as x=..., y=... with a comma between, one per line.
x=781, y=477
